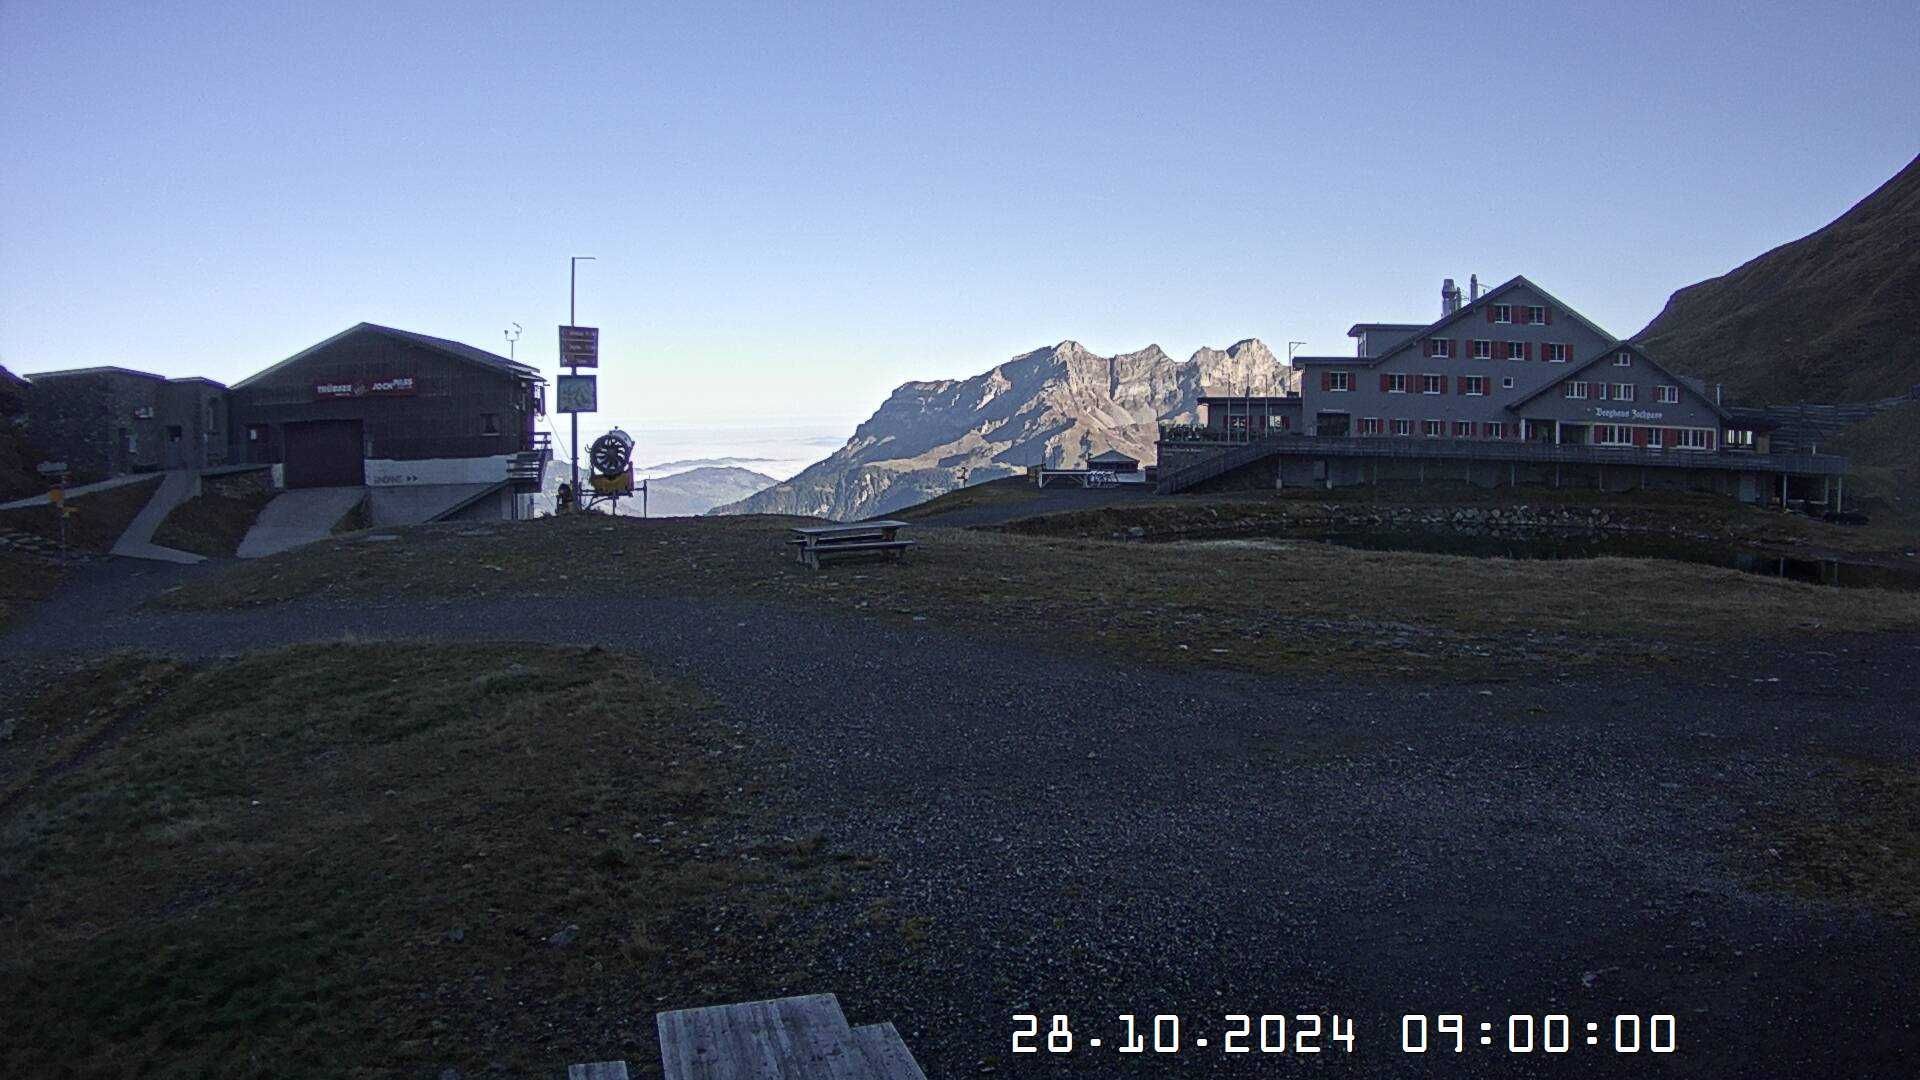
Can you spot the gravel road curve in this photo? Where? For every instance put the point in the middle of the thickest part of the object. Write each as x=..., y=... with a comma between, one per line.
x=1068, y=833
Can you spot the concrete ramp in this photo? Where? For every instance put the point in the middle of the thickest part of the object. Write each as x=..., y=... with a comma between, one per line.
x=416, y=504
x=176, y=487
x=299, y=517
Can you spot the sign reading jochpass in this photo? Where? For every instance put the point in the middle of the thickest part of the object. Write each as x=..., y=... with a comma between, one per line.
x=580, y=346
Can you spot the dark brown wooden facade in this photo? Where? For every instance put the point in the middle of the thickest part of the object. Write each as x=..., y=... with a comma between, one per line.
x=412, y=397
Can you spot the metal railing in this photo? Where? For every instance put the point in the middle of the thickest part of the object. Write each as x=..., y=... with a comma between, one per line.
x=1234, y=453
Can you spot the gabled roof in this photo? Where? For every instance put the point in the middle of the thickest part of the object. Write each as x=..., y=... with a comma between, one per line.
x=457, y=350
x=105, y=369
x=1354, y=330
x=1690, y=386
x=1474, y=308
x=1114, y=456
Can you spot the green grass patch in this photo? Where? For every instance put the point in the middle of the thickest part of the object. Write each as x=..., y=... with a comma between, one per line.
x=1860, y=846
x=1315, y=608
x=97, y=520
x=24, y=581
x=212, y=523
x=374, y=859
x=1006, y=491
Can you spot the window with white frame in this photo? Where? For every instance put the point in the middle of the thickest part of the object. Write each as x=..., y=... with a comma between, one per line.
x=1397, y=384
x=1482, y=349
x=1516, y=350
x=1737, y=439
x=1669, y=395
x=1612, y=435
x=1623, y=391
x=1577, y=391
x=1369, y=425
x=1554, y=352
x=1656, y=438
x=1339, y=380
x=1502, y=313
x=1506, y=383
x=1403, y=427
x=1441, y=347
x=1536, y=315
x=1433, y=384
x=1690, y=438
x=1494, y=429
x=1623, y=359
x=1436, y=429
x=1463, y=429
x=1476, y=386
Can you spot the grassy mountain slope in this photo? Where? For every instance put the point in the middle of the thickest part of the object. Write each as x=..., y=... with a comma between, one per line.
x=1832, y=316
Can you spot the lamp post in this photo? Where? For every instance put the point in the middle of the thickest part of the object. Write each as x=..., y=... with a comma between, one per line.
x=513, y=337
x=573, y=280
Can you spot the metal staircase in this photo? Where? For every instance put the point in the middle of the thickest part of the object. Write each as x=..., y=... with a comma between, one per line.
x=1228, y=459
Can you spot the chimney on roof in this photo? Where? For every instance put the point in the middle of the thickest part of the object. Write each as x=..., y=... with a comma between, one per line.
x=1449, y=298
x=1473, y=288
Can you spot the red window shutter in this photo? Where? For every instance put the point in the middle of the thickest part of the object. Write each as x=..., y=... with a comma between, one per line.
x=1326, y=380
x=1639, y=436
x=1567, y=351
x=1443, y=384
x=1489, y=312
x=1527, y=350
x=1384, y=377
x=1549, y=312
x=1710, y=440
x=1462, y=388
x=1457, y=343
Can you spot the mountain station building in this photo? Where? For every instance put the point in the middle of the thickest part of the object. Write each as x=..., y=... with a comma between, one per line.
x=1507, y=387
x=432, y=428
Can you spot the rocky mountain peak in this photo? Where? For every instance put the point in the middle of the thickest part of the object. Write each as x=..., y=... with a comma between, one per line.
x=1059, y=405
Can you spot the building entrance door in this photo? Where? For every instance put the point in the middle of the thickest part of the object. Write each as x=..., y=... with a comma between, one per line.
x=1332, y=423
x=325, y=453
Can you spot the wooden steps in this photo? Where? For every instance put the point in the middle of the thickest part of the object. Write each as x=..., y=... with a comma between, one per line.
x=795, y=1038
x=887, y=1052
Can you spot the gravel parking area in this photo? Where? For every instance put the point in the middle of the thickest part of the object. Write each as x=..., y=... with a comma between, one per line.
x=1063, y=832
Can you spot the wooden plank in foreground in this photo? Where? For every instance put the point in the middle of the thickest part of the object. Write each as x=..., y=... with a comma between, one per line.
x=887, y=1052
x=796, y=1038
x=598, y=1070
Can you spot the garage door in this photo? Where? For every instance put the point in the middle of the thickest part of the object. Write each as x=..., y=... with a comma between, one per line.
x=324, y=453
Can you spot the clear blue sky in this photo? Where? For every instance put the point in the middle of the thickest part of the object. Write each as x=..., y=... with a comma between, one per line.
x=796, y=207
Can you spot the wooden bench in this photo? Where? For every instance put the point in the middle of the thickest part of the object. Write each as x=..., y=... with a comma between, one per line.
x=812, y=543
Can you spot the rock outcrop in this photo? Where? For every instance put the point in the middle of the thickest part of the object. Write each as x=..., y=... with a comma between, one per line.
x=1056, y=406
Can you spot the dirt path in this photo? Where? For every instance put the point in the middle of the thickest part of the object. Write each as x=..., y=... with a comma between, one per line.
x=1067, y=833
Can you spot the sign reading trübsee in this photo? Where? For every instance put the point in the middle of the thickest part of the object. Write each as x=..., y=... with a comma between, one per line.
x=580, y=346
x=395, y=387
x=576, y=394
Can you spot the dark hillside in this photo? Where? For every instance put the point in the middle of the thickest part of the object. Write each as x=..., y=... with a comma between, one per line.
x=17, y=459
x=1832, y=316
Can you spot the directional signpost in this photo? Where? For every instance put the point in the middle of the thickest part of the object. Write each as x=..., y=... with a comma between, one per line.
x=579, y=347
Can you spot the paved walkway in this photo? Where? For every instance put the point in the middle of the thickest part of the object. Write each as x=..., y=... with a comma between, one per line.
x=298, y=517
x=83, y=489
x=176, y=487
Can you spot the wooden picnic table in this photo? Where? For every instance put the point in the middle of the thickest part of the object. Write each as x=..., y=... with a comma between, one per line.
x=812, y=543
